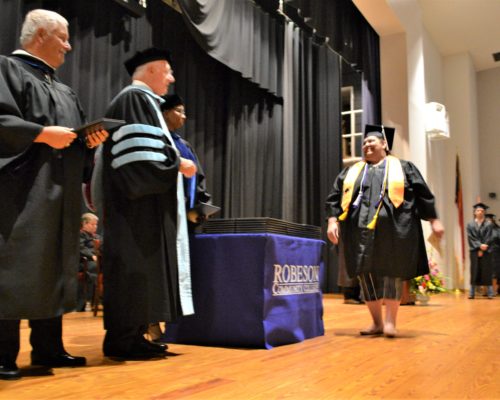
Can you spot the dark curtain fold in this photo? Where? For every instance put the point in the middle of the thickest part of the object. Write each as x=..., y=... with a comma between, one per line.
x=313, y=140
x=239, y=35
x=314, y=135
x=10, y=24
x=351, y=36
x=371, y=96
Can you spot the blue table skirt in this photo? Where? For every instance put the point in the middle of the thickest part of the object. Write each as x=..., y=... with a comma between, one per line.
x=253, y=290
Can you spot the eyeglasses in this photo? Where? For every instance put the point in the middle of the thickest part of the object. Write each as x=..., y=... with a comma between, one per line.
x=180, y=111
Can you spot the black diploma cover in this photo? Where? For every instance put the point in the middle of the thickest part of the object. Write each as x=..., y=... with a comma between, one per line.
x=205, y=209
x=107, y=124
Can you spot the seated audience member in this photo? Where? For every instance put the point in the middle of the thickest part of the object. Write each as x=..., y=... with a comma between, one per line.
x=88, y=270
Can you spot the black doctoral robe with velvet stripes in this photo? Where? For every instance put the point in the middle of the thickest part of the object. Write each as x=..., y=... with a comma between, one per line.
x=140, y=172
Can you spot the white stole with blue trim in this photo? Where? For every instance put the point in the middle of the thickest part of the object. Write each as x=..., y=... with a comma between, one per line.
x=183, y=257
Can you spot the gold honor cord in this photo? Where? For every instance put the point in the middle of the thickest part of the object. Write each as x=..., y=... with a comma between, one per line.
x=348, y=185
x=393, y=177
x=396, y=181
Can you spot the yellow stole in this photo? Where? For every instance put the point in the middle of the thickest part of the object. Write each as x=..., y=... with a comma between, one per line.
x=393, y=179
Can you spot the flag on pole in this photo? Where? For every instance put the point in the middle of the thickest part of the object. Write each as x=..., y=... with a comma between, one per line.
x=460, y=231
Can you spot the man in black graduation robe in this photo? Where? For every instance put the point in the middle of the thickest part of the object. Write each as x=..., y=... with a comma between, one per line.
x=480, y=236
x=41, y=170
x=377, y=215
x=396, y=247
x=140, y=213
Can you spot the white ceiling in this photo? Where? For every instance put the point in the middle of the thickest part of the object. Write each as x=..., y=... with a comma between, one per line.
x=456, y=26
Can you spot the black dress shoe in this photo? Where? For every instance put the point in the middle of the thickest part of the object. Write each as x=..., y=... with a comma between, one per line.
x=138, y=351
x=156, y=346
x=9, y=371
x=161, y=340
x=58, y=360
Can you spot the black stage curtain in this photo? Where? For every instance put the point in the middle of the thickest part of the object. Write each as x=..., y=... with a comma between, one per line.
x=312, y=156
x=351, y=36
x=241, y=36
x=312, y=134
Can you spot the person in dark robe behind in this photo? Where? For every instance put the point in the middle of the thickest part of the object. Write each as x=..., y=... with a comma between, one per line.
x=42, y=164
x=195, y=190
x=480, y=236
x=375, y=208
x=146, y=258
x=495, y=250
x=349, y=286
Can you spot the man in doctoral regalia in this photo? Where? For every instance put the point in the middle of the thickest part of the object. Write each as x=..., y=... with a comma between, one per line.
x=481, y=236
x=41, y=168
x=375, y=207
x=146, y=266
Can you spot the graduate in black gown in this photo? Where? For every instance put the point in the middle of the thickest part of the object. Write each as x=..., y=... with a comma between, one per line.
x=480, y=236
x=144, y=259
x=376, y=206
x=41, y=170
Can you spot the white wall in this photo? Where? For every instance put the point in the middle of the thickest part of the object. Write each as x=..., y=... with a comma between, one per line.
x=438, y=162
x=461, y=100
x=394, y=86
x=488, y=92
x=452, y=82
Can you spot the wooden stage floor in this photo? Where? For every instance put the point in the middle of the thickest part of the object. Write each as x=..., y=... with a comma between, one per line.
x=449, y=349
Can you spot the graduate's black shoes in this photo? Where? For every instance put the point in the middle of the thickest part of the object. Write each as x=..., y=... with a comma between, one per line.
x=9, y=371
x=58, y=360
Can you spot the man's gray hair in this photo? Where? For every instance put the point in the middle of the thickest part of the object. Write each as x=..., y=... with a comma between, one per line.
x=87, y=217
x=39, y=18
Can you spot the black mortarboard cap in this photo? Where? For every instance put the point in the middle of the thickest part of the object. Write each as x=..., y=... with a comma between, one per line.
x=145, y=56
x=381, y=131
x=171, y=101
x=491, y=216
x=480, y=205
